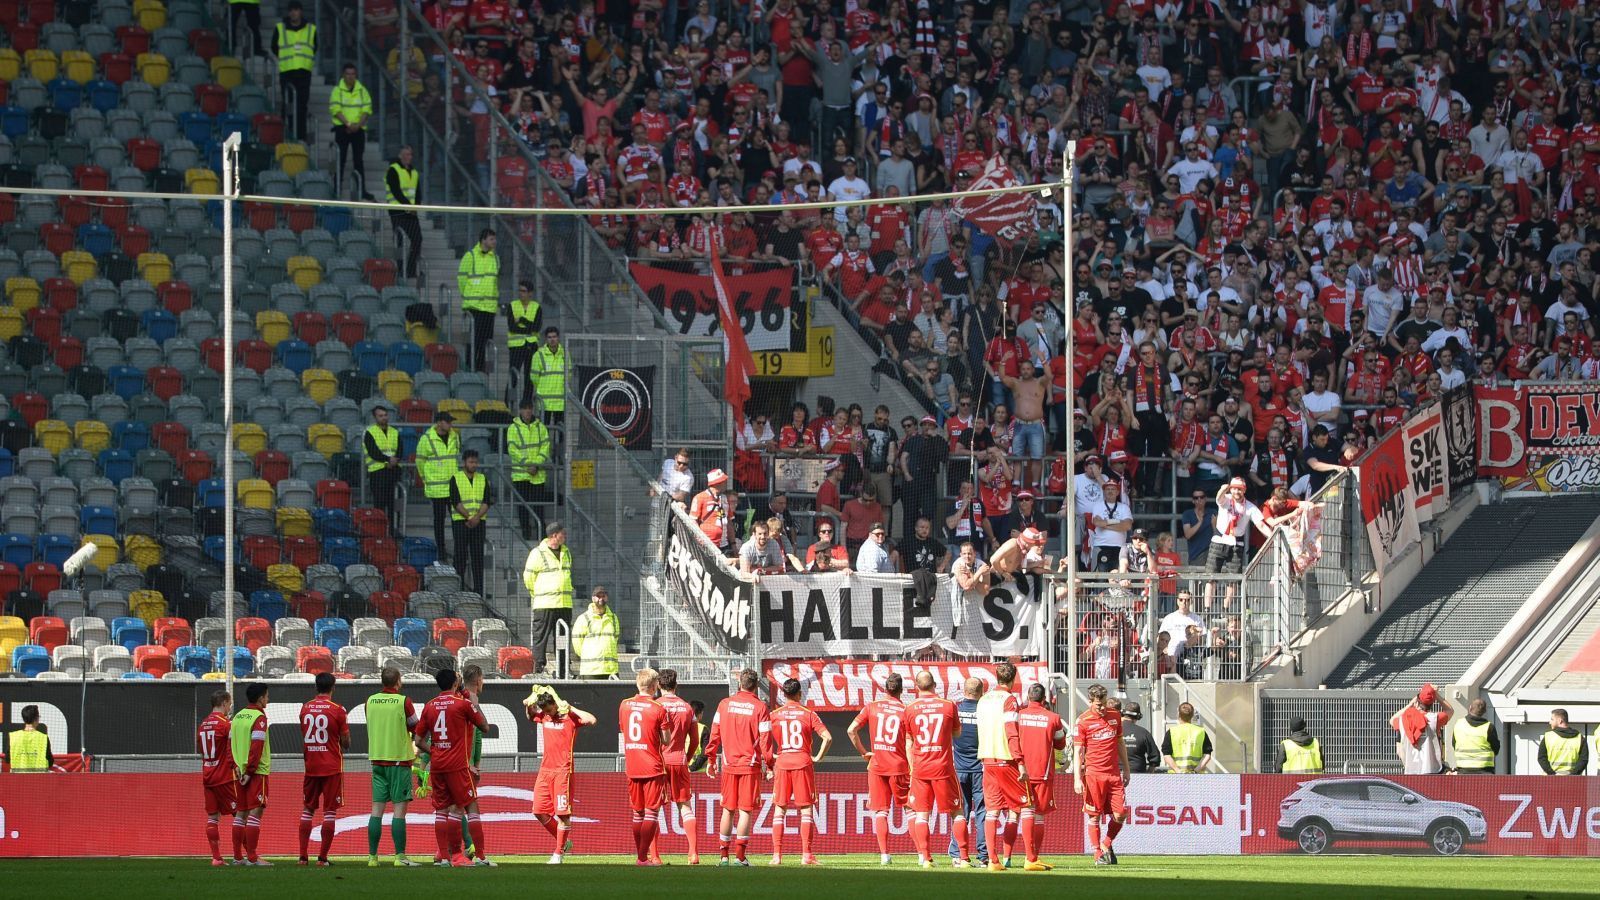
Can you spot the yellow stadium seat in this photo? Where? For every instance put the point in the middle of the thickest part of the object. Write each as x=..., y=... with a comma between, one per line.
x=394, y=385
x=256, y=493
x=304, y=271
x=249, y=438
x=109, y=554
x=79, y=266
x=91, y=435
x=152, y=15
x=294, y=522
x=319, y=384
x=227, y=71
x=52, y=435
x=143, y=551
x=147, y=605
x=273, y=326
x=155, y=268
x=78, y=66
x=12, y=628
x=421, y=334
x=202, y=181
x=215, y=676
x=286, y=578
x=154, y=69
x=458, y=410
x=325, y=439
x=291, y=158
x=6, y=646
x=11, y=322
x=497, y=407
x=42, y=64
x=22, y=292
x=10, y=70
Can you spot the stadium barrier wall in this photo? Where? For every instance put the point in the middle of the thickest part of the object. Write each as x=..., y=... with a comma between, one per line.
x=64, y=816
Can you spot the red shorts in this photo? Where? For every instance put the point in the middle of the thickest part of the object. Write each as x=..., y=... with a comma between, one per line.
x=324, y=790
x=453, y=789
x=678, y=790
x=794, y=788
x=1002, y=787
x=222, y=798
x=943, y=792
x=253, y=793
x=741, y=791
x=552, y=792
x=1043, y=795
x=645, y=794
x=882, y=789
x=1102, y=795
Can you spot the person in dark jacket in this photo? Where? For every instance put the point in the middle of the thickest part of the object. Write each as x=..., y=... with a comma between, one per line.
x=1299, y=753
x=1562, y=749
x=1476, y=743
x=1143, y=754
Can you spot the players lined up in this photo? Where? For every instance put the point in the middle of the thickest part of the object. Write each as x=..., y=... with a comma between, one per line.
x=910, y=752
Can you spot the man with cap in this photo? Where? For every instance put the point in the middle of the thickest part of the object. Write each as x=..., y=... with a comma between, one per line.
x=437, y=452
x=921, y=455
x=528, y=446
x=1144, y=754
x=470, y=499
x=1109, y=523
x=1117, y=469
x=1299, y=753
x=712, y=510
x=595, y=634
x=1023, y=553
x=1231, y=541
x=873, y=557
x=1088, y=486
x=1027, y=515
x=1419, y=745
x=829, y=502
x=381, y=444
x=1135, y=556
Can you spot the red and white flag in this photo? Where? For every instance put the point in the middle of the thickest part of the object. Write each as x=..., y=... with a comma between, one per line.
x=735, y=352
x=1008, y=218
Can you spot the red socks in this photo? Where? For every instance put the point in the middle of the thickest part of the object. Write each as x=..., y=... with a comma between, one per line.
x=694, y=840
x=1111, y=830
x=443, y=828
x=238, y=837
x=548, y=823
x=327, y=835
x=739, y=846
x=805, y=832
x=562, y=834
x=1094, y=834
x=252, y=837
x=991, y=836
x=779, y=821
x=641, y=847
x=213, y=838
x=1030, y=849
x=305, y=832
x=963, y=838
x=880, y=827
x=1010, y=837
x=475, y=828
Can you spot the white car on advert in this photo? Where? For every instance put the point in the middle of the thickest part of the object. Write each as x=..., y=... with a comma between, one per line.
x=1327, y=810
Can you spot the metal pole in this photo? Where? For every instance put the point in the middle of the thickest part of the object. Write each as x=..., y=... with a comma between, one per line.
x=449, y=125
x=230, y=190
x=404, y=65
x=1070, y=528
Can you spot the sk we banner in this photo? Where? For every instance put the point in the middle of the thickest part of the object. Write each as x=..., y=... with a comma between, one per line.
x=620, y=399
x=1388, y=506
x=763, y=299
x=1425, y=462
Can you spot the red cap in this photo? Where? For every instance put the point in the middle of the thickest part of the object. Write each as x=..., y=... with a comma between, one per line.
x=1032, y=536
x=1118, y=456
x=716, y=477
x=1236, y=483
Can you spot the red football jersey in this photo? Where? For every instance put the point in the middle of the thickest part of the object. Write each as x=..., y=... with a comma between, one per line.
x=448, y=720
x=931, y=724
x=742, y=732
x=558, y=733
x=1098, y=738
x=1042, y=735
x=322, y=724
x=882, y=718
x=216, y=754
x=793, y=726
x=682, y=734
x=642, y=721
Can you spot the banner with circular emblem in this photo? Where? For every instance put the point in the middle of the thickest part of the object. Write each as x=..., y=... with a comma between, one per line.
x=621, y=399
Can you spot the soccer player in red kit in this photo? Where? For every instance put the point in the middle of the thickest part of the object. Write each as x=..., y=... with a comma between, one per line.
x=794, y=777
x=742, y=734
x=217, y=771
x=643, y=723
x=558, y=725
x=326, y=734
x=1042, y=735
x=683, y=742
x=445, y=731
x=888, y=775
x=1005, y=778
x=930, y=724
x=1100, y=771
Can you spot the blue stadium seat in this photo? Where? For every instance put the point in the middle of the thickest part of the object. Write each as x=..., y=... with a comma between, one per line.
x=196, y=661
x=129, y=632
x=13, y=121
x=16, y=549
x=54, y=548
x=29, y=660
x=294, y=355
x=8, y=463
x=228, y=123
x=97, y=520
x=104, y=95
x=371, y=357
x=243, y=663
x=411, y=632
x=331, y=523
x=341, y=551
x=214, y=545
x=211, y=494
x=268, y=605
x=65, y=94
x=332, y=633
x=126, y=381
x=136, y=676
x=116, y=465
x=159, y=325
x=418, y=552
x=97, y=239
x=131, y=436
x=405, y=356
x=336, y=220
x=409, y=439
x=196, y=127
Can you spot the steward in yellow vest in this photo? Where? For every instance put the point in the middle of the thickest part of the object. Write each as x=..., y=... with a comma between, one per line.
x=522, y=333
x=294, y=43
x=469, y=506
x=436, y=464
x=30, y=747
x=595, y=636
x=1299, y=753
x=349, y=106
x=1186, y=747
x=1562, y=750
x=1475, y=740
x=478, y=280
x=528, y=446
x=402, y=188
x=381, y=445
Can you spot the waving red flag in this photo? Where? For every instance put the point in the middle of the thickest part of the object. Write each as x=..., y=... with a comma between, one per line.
x=735, y=352
x=1008, y=218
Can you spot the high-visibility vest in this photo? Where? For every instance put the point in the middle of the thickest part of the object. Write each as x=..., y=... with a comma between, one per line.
x=1562, y=752
x=388, y=736
x=346, y=106
x=519, y=332
x=1188, y=745
x=297, y=47
x=436, y=462
x=30, y=751
x=1297, y=759
x=239, y=736
x=388, y=441
x=992, y=743
x=408, y=179
x=478, y=279
x=594, y=639
x=471, y=491
x=528, y=444
x=548, y=577
x=1472, y=745
x=549, y=371
x=244, y=2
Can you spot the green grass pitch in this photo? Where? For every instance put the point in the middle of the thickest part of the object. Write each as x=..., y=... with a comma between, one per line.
x=1345, y=877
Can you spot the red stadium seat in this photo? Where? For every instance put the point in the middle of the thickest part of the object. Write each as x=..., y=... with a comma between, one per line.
x=205, y=43
x=261, y=216
x=60, y=294
x=369, y=522
x=387, y=605
x=380, y=551
x=442, y=358
x=350, y=328
x=176, y=296
x=41, y=12
x=302, y=551
x=113, y=212
x=134, y=240
x=42, y=577
x=48, y=632
x=308, y=605
x=211, y=352
x=402, y=579
x=261, y=551
x=311, y=326
x=416, y=411
x=172, y=632
x=272, y=466
x=67, y=352
x=153, y=659
x=212, y=99
x=253, y=354
x=58, y=237
x=8, y=208
x=24, y=37
x=171, y=437
x=33, y=406
x=195, y=466
x=300, y=218
x=333, y=494
x=76, y=211
x=380, y=273
x=252, y=632
x=116, y=67
x=515, y=662
x=164, y=381
x=314, y=660
x=91, y=178
x=452, y=634
x=10, y=579
x=133, y=40
x=44, y=322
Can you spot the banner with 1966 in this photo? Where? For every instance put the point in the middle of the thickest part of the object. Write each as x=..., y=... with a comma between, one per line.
x=763, y=298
